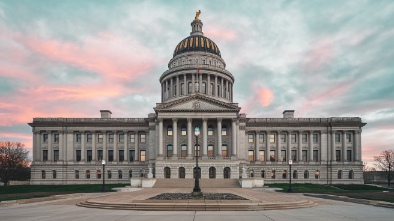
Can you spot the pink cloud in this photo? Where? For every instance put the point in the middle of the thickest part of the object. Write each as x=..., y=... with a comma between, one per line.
x=263, y=96
x=216, y=32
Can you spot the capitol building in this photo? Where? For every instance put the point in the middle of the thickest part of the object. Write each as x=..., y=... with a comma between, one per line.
x=197, y=93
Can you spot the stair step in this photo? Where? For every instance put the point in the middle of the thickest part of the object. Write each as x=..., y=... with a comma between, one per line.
x=204, y=183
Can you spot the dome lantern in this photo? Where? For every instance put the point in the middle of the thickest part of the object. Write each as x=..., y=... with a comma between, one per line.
x=197, y=25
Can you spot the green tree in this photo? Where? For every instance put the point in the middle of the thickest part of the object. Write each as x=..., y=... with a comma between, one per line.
x=385, y=162
x=14, y=164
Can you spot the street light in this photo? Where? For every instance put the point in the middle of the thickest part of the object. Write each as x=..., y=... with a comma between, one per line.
x=290, y=190
x=196, y=190
x=103, y=163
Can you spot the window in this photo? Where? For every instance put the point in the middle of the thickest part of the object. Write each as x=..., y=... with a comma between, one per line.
x=315, y=139
x=189, y=88
x=131, y=155
x=273, y=174
x=261, y=155
x=132, y=138
x=284, y=174
x=110, y=155
x=224, y=130
x=54, y=174
x=109, y=174
x=261, y=138
x=351, y=174
x=183, y=150
x=272, y=155
x=305, y=138
x=142, y=153
x=196, y=87
x=130, y=173
x=315, y=155
x=294, y=138
x=169, y=150
x=210, y=130
x=182, y=87
x=349, y=138
x=110, y=138
x=99, y=155
x=120, y=175
x=183, y=130
x=251, y=155
x=89, y=138
x=169, y=130
x=349, y=155
x=283, y=155
x=250, y=138
x=210, y=150
x=87, y=174
x=294, y=155
x=339, y=174
x=55, y=155
x=78, y=155
x=121, y=155
x=89, y=155
x=263, y=174
x=337, y=155
x=337, y=137
x=198, y=150
x=295, y=174
x=98, y=174
x=121, y=138
x=224, y=151
x=43, y=175
x=100, y=138
x=78, y=138
x=44, y=138
x=56, y=138
x=317, y=174
x=174, y=90
x=77, y=174
x=283, y=138
x=142, y=138
x=211, y=89
x=272, y=138
x=44, y=155
x=218, y=91
x=306, y=174
x=204, y=88
x=304, y=155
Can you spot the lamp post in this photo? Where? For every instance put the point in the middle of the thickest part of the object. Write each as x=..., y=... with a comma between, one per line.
x=290, y=190
x=196, y=190
x=103, y=163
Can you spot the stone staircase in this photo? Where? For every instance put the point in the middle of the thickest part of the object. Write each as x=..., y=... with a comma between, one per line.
x=204, y=183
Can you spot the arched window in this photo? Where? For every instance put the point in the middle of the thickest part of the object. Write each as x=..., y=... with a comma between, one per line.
x=210, y=130
x=98, y=174
x=295, y=174
x=212, y=173
x=263, y=174
x=204, y=88
x=189, y=88
x=130, y=173
x=252, y=173
x=87, y=174
x=339, y=174
x=351, y=174
x=167, y=172
x=182, y=172
x=183, y=130
x=224, y=130
x=169, y=150
x=306, y=174
x=317, y=174
x=284, y=174
x=169, y=130
x=182, y=87
x=226, y=173
x=120, y=176
x=212, y=89
x=196, y=87
x=224, y=151
x=273, y=174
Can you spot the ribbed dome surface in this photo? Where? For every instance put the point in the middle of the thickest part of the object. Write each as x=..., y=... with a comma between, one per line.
x=196, y=43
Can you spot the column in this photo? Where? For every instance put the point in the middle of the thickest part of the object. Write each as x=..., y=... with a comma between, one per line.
x=310, y=146
x=175, y=138
x=357, y=145
x=184, y=85
x=323, y=150
x=256, y=155
x=215, y=87
x=177, y=86
x=278, y=148
x=344, y=159
x=209, y=84
x=115, y=149
x=83, y=149
x=193, y=84
x=61, y=146
x=333, y=156
x=189, y=138
x=136, y=147
x=288, y=149
x=219, y=148
x=222, y=88
x=162, y=92
x=94, y=151
x=299, y=146
x=36, y=146
x=227, y=94
x=160, y=137
x=50, y=149
x=200, y=84
x=234, y=137
x=171, y=94
x=267, y=146
x=166, y=89
x=125, y=148
x=204, y=137
x=105, y=146
x=230, y=94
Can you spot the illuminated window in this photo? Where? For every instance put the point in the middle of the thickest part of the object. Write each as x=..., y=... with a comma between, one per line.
x=142, y=138
x=224, y=130
x=132, y=138
x=283, y=138
x=250, y=138
x=210, y=150
x=183, y=150
x=100, y=138
x=261, y=155
x=272, y=155
x=142, y=153
x=183, y=130
x=121, y=138
x=210, y=130
x=251, y=155
x=261, y=138
x=283, y=155
x=169, y=130
x=294, y=138
x=272, y=138
x=169, y=150
x=224, y=151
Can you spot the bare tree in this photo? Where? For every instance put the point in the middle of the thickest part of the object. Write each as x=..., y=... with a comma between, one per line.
x=14, y=164
x=385, y=162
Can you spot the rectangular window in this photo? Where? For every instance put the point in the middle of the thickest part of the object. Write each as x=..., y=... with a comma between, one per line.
x=89, y=138
x=87, y=174
x=261, y=138
x=55, y=155
x=45, y=138
x=224, y=151
x=44, y=155
x=89, y=155
x=315, y=140
x=349, y=138
x=184, y=132
x=304, y=155
x=110, y=155
x=261, y=155
x=121, y=155
x=109, y=174
x=272, y=138
x=294, y=138
x=294, y=155
x=304, y=138
x=131, y=155
x=54, y=174
x=184, y=150
x=77, y=174
x=142, y=138
x=337, y=137
x=338, y=155
x=43, y=175
x=250, y=138
x=283, y=138
x=56, y=138
x=349, y=155
x=132, y=138
x=283, y=155
x=100, y=138
x=98, y=173
x=169, y=150
x=251, y=155
x=78, y=155
x=142, y=158
x=224, y=131
x=169, y=130
x=78, y=138
x=272, y=155
x=210, y=130
x=121, y=138
x=315, y=155
x=110, y=138
x=99, y=155
x=210, y=151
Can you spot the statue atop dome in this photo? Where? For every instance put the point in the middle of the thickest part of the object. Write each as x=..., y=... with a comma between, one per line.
x=197, y=14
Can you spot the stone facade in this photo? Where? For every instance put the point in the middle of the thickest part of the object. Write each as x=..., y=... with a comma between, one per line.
x=197, y=91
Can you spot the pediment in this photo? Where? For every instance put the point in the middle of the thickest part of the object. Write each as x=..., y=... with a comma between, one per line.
x=197, y=103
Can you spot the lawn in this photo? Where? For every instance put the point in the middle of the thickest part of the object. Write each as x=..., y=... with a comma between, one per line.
x=32, y=191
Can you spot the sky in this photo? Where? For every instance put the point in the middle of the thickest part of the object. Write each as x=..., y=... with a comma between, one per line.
x=319, y=58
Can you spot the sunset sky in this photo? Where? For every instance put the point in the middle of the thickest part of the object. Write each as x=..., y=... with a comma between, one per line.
x=319, y=58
